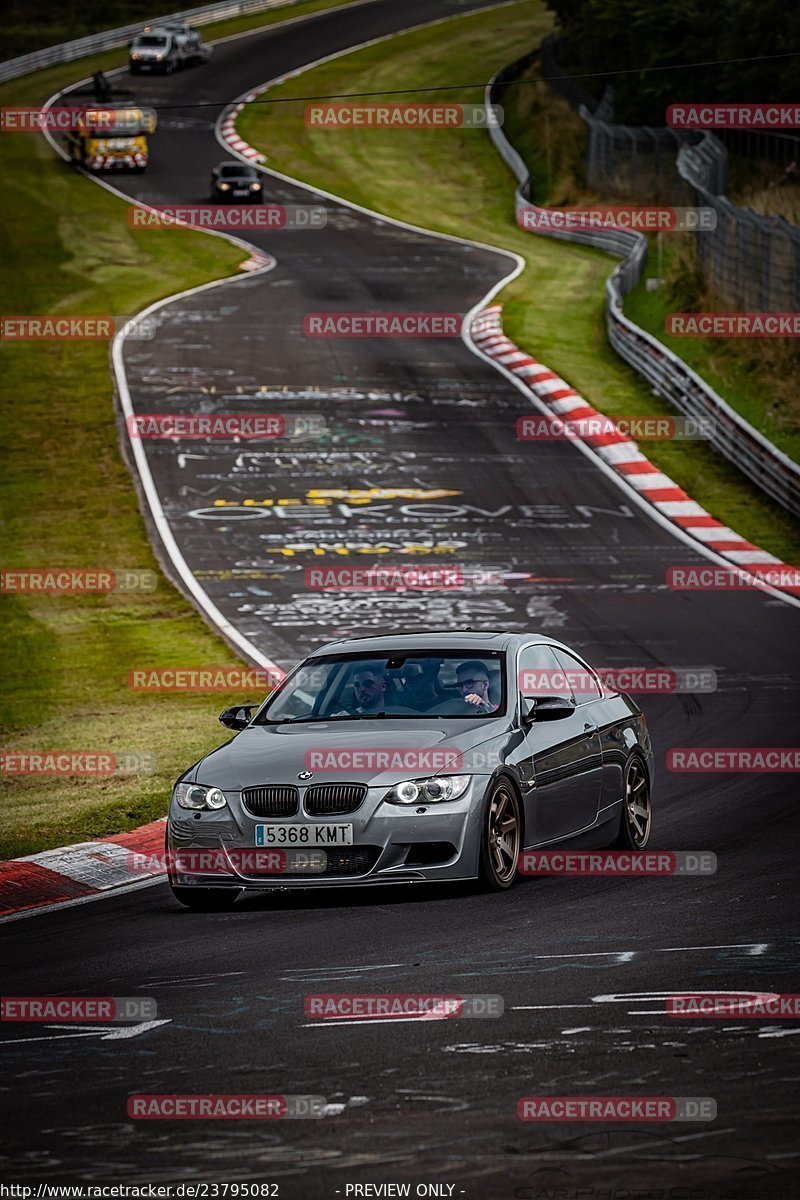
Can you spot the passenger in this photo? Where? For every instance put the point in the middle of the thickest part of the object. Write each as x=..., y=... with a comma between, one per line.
x=419, y=685
x=472, y=679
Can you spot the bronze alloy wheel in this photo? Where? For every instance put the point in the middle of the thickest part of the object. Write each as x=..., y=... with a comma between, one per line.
x=502, y=837
x=638, y=808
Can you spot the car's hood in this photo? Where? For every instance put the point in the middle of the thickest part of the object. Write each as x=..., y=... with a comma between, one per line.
x=380, y=752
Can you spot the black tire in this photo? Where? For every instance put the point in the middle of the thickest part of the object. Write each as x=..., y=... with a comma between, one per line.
x=501, y=837
x=636, y=818
x=206, y=899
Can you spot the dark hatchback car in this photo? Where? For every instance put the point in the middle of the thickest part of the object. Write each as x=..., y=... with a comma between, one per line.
x=236, y=181
x=411, y=758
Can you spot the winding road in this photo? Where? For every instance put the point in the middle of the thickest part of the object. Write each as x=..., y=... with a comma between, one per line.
x=421, y=452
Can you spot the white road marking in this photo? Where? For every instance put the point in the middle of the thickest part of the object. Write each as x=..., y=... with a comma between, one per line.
x=440, y=1012
x=619, y=955
x=753, y=947
x=539, y=1007
x=336, y=1108
x=191, y=978
x=106, y=1033
x=301, y=973
x=626, y=997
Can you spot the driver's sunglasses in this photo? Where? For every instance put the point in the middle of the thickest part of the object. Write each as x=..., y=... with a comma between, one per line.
x=471, y=683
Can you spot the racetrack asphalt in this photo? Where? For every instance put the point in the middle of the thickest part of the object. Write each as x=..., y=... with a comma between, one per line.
x=582, y=964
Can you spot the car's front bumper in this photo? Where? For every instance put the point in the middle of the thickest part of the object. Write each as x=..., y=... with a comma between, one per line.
x=391, y=844
x=244, y=198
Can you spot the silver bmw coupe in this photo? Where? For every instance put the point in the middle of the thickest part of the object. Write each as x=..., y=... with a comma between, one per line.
x=412, y=758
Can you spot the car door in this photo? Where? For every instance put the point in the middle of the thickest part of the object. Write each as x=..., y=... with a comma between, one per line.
x=562, y=759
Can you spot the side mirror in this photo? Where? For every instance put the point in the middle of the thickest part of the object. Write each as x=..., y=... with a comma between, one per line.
x=546, y=708
x=237, y=717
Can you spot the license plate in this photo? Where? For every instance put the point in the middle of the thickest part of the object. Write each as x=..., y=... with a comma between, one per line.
x=304, y=835
x=240, y=193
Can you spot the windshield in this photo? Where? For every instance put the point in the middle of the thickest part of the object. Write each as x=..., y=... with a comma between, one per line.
x=151, y=40
x=348, y=687
x=239, y=172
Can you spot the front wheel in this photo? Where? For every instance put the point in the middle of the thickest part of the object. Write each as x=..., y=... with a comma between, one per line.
x=206, y=899
x=636, y=818
x=501, y=839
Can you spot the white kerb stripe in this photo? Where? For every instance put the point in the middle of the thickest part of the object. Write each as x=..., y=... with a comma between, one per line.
x=96, y=864
x=715, y=533
x=650, y=481
x=555, y=385
x=751, y=556
x=534, y=369
x=567, y=404
x=621, y=452
x=680, y=508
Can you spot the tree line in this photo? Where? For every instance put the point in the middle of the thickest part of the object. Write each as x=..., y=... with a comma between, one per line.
x=646, y=50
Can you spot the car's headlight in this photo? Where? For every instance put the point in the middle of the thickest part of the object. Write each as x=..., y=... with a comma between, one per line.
x=223, y=187
x=428, y=791
x=255, y=187
x=136, y=56
x=194, y=795
x=159, y=57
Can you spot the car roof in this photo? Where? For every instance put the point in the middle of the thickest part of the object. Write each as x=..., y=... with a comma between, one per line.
x=433, y=639
x=240, y=166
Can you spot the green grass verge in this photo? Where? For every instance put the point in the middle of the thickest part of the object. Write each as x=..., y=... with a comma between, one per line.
x=758, y=378
x=454, y=182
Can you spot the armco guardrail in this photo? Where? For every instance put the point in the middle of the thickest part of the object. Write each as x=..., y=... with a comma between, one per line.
x=111, y=38
x=750, y=260
x=771, y=470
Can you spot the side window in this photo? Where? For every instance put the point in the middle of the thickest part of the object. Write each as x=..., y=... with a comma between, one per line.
x=584, y=684
x=541, y=674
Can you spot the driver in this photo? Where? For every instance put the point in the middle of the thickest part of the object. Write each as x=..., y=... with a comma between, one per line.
x=472, y=680
x=369, y=687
